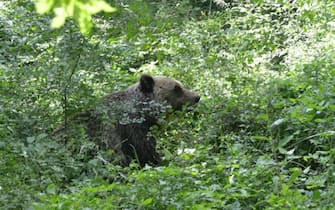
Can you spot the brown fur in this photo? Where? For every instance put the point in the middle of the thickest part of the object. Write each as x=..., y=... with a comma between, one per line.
x=123, y=120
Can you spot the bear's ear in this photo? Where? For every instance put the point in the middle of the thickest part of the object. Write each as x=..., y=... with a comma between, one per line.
x=147, y=83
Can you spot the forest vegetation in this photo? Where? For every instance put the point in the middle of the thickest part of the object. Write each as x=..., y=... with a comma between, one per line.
x=262, y=136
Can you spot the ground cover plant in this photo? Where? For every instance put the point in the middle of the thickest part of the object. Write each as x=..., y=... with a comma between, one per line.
x=262, y=136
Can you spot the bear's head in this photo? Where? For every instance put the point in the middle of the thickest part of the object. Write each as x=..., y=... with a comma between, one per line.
x=167, y=90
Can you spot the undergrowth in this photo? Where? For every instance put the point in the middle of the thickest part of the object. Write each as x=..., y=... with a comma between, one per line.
x=262, y=136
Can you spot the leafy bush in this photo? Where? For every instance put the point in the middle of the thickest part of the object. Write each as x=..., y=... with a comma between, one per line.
x=262, y=136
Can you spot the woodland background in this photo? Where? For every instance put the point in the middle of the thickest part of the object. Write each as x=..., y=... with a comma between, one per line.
x=262, y=136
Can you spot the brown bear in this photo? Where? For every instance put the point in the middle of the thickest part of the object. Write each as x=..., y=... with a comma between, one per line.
x=123, y=119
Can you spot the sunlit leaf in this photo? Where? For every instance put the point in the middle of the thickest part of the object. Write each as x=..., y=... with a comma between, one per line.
x=295, y=174
x=81, y=11
x=147, y=202
x=70, y=7
x=43, y=6
x=98, y=6
x=59, y=20
x=277, y=123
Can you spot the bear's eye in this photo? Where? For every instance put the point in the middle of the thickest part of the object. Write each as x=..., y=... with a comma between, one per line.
x=177, y=89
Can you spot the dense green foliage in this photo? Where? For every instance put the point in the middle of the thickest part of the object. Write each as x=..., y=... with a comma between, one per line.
x=262, y=137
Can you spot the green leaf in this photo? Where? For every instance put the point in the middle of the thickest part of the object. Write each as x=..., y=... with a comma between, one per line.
x=261, y=138
x=81, y=11
x=41, y=136
x=316, y=194
x=70, y=8
x=287, y=139
x=98, y=6
x=146, y=202
x=44, y=6
x=277, y=123
x=295, y=174
x=2, y=144
x=51, y=189
x=59, y=20
x=31, y=139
